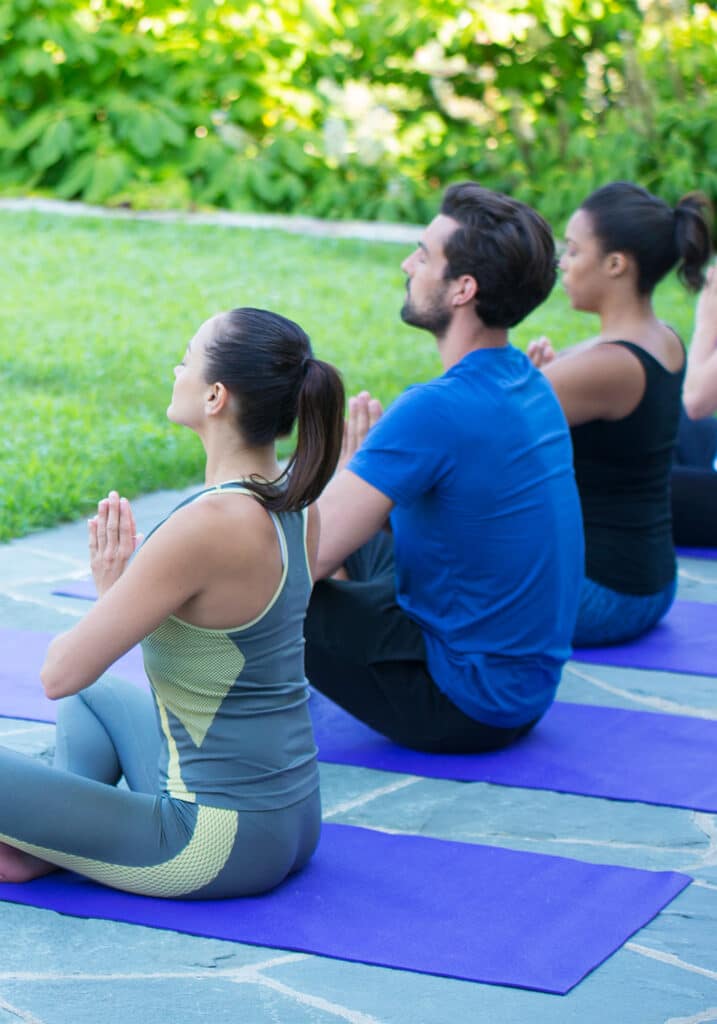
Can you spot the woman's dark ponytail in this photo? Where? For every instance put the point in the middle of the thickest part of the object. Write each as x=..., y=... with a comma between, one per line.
x=693, y=214
x=320, y=430
x=265, y=361
x=628, y=218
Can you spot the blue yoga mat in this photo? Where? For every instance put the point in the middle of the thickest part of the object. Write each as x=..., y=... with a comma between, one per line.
x=22, y=653
x=479, y=913
x=585, y=749
x=683, y=642
x=83, y=589
x=710, y=553
x=577, y=748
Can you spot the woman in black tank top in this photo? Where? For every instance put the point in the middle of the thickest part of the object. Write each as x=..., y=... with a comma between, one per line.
x=620, y=392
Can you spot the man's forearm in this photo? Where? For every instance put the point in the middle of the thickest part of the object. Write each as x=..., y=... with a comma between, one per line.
x=351, y=512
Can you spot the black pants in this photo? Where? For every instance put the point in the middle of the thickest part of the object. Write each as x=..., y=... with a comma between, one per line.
x=367, y=655
x=694, y=483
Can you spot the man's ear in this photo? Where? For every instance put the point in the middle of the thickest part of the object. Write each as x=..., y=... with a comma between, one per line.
x=216, y=398
x=466, y=289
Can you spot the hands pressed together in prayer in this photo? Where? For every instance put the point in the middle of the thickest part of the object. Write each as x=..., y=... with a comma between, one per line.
x=113, y=539
x=540, y=352
x=363, y=412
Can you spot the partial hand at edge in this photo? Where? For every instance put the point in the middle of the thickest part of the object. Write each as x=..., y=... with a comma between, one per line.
x=700, y=388
x=706, y=308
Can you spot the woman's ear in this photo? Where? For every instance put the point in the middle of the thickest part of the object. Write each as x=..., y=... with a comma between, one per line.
x=216, y=399
x=617, y=263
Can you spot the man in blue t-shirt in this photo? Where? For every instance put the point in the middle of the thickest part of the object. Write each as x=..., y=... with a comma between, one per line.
x=450, y=633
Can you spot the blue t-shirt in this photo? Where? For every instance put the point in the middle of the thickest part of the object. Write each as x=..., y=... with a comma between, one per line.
x=487, y=530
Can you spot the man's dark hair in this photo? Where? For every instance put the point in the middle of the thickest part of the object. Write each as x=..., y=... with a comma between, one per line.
x=505, y=245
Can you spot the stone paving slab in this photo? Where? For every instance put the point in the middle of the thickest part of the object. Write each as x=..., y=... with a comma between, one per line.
x=63, y=970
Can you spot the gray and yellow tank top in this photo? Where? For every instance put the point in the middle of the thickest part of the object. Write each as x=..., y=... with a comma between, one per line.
x=232, y=703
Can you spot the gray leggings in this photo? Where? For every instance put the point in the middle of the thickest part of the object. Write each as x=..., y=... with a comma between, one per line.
x=139, y=839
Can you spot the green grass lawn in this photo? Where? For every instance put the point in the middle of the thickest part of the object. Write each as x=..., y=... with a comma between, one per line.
x=95, y=314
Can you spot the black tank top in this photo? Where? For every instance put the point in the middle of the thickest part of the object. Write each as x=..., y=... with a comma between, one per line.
x=622, y=469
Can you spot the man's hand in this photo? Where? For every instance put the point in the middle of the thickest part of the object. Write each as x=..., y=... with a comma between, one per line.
x=363, y=413
x=540, y=352
x=112, y=540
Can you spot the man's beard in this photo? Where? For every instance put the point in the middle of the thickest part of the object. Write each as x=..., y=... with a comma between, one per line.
x=435, y=317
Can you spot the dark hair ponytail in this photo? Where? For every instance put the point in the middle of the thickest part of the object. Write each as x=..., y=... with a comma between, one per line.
x=692, y=238
x=265, y=361
x=319, y=435
x=628, y=218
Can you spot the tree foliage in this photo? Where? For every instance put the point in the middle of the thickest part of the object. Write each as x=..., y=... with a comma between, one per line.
x=354, y=108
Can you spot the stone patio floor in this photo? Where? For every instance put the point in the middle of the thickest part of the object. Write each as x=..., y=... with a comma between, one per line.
x=63, y=970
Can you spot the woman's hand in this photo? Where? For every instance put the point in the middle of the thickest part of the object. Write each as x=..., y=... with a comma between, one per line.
x=178, y=562
x=112, y=540
x=363, y=413
x=700, y=391
x=706, y=309
x=540, y=352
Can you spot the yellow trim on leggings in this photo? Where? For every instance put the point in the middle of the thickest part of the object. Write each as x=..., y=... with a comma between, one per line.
x=175, y=783
x=191, y=869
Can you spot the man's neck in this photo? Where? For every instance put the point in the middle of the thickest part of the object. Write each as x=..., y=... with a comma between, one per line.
x=462, y=338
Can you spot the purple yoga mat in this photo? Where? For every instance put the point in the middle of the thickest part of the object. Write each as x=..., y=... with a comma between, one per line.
x=84, y=589
x=710, y=553
x=577, y=748
x=685, y=641
x=21, y=656
x=479, y=913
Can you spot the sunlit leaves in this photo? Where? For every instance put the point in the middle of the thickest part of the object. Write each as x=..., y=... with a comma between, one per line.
x=57, y=141
x=353, y=108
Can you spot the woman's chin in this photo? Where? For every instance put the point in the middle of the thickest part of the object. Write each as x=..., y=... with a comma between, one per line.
x=175, y=416
x=575, y=303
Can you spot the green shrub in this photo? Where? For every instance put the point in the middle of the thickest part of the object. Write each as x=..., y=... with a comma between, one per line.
x=354, y=108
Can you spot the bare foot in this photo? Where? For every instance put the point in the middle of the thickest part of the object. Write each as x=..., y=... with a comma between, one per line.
x=17, y=866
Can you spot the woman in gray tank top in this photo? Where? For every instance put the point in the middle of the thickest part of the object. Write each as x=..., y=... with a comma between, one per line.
x=222, y=791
